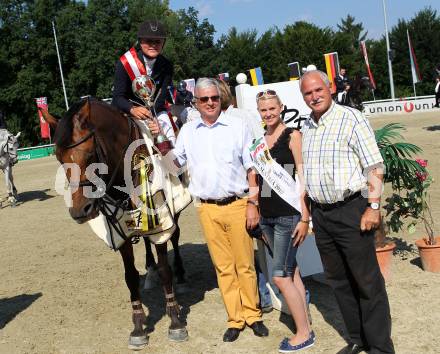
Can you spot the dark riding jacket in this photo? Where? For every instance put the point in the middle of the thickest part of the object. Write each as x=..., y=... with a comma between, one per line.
x=162, y=76
x=340, y=83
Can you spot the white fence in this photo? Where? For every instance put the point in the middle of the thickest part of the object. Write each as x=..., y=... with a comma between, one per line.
x=407, y=105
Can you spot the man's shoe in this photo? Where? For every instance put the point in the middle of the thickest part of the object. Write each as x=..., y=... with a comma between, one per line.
x=231, y=335
x=260, y=330
x=352, y=348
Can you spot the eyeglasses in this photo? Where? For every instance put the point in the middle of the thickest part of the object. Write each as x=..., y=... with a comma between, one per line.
x=267, y=93
x=205, y=99
x=151, y=41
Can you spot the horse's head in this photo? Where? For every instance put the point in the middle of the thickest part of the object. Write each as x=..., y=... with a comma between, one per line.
x=75, y=151
x=84, y=137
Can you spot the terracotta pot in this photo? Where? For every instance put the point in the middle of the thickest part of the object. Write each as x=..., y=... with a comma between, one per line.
x=384, y=257
x=430, y=255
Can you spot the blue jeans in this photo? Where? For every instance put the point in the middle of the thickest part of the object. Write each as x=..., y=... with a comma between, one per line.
x=278, y=232
x=265, y=299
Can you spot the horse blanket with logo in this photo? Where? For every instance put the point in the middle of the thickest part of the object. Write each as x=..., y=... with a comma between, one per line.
x=161, y=196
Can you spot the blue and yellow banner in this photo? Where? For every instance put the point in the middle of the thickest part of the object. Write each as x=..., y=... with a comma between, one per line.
x=256, y=76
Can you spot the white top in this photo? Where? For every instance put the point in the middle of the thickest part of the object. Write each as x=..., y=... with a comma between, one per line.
x=149, y=63
x=253, y=121
x=437, y=87
x=216, y=156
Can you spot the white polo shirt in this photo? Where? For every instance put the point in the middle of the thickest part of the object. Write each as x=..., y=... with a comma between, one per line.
x=216, y=156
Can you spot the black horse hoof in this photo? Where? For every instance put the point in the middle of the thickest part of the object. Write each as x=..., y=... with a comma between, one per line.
x=178, y=334
x=137, y=343
x=182, y=288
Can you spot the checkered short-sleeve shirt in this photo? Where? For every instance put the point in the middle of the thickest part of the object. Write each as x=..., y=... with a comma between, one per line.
x=336, y=151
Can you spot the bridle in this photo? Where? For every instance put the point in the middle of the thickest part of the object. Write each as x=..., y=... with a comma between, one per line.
x=105, y=202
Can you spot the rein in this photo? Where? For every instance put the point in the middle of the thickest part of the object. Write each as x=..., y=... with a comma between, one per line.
x=106, y=200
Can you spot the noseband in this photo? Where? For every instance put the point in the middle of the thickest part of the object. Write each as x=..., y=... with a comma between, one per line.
x=106, y=200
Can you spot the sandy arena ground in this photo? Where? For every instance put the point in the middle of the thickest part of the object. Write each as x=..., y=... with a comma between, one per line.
x=63, y=291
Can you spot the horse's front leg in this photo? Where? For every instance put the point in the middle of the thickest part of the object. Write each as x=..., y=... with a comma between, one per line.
x=179, y=271
x=138, y=337
x=151, y=277
x=12, y=191
x=177, y=331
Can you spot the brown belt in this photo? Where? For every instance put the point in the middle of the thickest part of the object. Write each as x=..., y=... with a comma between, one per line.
x=220, y=202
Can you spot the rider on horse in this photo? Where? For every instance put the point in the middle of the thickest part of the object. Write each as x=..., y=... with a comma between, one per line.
x=147, y=55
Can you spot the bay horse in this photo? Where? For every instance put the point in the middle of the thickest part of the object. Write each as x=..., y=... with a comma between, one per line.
x=8, y=158
x=94, y=132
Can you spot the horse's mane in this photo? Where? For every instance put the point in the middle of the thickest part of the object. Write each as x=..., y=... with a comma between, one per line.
x=63, y=133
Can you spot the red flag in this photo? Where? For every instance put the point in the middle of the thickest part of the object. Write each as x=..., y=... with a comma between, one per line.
x=415, y=72
x=367, y=64
x=44, y=126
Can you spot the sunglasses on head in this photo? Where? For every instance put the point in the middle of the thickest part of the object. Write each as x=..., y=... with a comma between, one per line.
x=205, y=99
x=267, y=93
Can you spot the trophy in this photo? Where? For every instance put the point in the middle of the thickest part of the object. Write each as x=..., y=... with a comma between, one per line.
x=144, y=88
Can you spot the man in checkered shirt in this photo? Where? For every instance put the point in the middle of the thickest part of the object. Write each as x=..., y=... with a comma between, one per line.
x=340, y=156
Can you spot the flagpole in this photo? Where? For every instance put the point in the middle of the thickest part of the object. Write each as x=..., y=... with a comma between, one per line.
x=390, y=65
x=59, y=63
x=414, y=87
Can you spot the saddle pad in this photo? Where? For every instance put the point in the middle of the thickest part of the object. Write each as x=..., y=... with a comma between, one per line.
x=131, y=224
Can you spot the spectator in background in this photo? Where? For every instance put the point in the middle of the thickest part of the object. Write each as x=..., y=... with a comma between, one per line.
x=183, y=96
x=343, y=97
x=437, y=92
x=341, y=80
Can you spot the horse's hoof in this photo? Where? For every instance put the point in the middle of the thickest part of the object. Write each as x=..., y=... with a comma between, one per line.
x=137, y=343
x=178, y=334
x=12, y=201
x=182, y=288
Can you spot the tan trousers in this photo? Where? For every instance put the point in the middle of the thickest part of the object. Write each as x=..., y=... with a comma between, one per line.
x=232, y=254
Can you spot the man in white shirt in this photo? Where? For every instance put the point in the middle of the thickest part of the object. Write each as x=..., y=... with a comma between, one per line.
x=214, y=148
x=437, y=92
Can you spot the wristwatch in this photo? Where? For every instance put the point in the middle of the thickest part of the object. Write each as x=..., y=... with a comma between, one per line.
x=374, y=205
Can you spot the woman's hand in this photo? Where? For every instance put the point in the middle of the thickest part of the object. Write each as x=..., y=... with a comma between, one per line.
x=300, y=233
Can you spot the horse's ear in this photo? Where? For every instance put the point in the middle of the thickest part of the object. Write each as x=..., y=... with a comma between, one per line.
x=53, y=122
x=81, y=118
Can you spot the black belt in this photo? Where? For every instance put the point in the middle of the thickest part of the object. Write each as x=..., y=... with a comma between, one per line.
x=223, y=201
x=337, y=204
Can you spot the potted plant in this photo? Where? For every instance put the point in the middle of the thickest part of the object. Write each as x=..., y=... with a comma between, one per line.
x=429, y=247
x=400, y=172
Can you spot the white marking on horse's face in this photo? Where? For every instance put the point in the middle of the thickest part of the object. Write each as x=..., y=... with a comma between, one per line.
x=72, y=158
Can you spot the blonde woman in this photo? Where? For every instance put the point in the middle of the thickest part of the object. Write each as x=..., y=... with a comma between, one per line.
x=284, y=226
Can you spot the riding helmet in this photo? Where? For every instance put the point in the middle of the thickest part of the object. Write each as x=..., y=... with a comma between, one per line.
x=152, y=29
